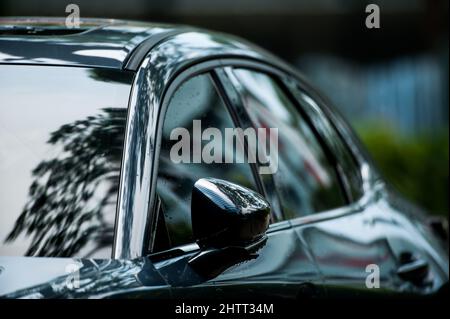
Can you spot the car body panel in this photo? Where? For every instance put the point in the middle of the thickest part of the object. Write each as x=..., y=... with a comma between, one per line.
x=281, y=269
x=55, y=277
x=100, y=42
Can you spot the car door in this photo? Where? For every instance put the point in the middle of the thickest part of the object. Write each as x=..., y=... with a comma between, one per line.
x=319, y=186
x=282, y=268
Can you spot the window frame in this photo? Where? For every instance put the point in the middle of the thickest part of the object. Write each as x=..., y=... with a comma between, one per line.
x=277, y=69
x=153, y=214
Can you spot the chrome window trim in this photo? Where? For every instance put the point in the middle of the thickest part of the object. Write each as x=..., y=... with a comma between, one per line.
x=134, y=59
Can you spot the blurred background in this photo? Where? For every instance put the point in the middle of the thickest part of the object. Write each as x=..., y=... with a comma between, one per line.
x=391, y=83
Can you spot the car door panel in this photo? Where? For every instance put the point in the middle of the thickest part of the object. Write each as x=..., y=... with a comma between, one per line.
x=280, y=269
x=343, y=247
x=80, y=278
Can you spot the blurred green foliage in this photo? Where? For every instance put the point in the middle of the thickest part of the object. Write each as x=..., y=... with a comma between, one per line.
x=416, y=165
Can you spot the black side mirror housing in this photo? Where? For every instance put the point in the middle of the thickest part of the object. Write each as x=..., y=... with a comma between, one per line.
x=225, y=214
x=229, y=222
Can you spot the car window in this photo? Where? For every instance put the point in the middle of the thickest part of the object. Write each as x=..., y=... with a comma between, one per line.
x=349, y=167
x=195, y=107
x=61, y=141
x=305, y=180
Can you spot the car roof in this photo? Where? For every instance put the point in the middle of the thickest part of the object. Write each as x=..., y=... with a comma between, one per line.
x=106, y=43
x=96, y=43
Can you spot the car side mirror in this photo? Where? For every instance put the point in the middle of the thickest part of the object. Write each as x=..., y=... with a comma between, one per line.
x=226, y=214
x=229, y=223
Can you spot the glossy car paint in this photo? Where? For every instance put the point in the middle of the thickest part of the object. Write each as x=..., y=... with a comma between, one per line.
x=226, y=214
x=99, y=42
x=318, y=255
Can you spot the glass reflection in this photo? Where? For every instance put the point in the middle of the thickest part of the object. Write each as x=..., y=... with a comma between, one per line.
x=61, y=140
x=305, y=180
x=243, y=200
x=196, y=99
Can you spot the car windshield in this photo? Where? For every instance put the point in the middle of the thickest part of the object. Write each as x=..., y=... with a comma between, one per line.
x=61, y=141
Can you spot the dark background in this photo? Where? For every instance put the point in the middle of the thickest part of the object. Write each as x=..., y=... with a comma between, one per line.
x=391, y=83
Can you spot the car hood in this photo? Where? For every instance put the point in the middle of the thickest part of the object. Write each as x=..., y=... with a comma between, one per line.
x=36, y=277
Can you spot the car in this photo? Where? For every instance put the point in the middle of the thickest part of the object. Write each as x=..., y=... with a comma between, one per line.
x=99, y=200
